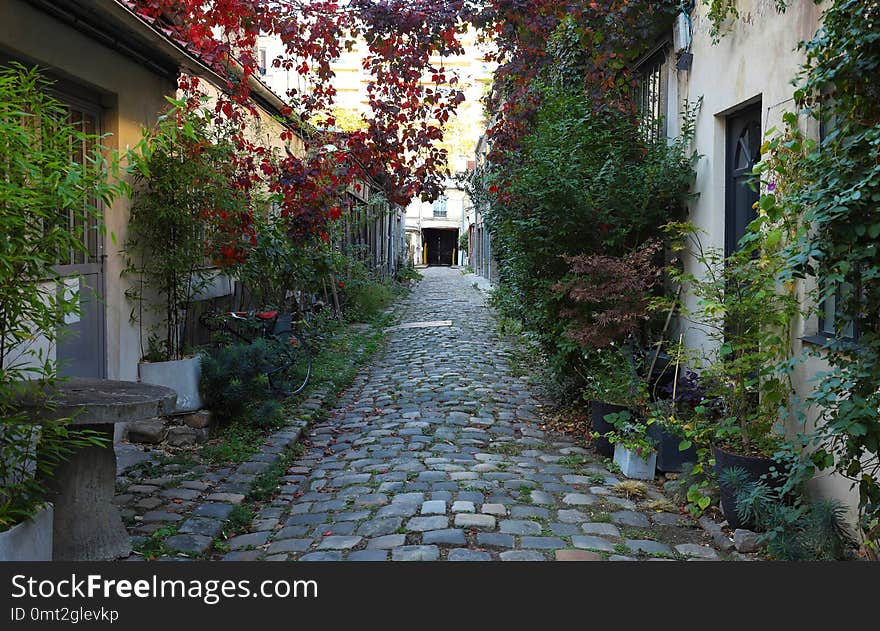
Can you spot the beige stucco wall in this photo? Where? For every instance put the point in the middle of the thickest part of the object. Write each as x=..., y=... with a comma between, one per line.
x=756, y=60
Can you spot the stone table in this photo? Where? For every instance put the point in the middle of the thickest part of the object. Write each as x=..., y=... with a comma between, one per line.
x=87, y=525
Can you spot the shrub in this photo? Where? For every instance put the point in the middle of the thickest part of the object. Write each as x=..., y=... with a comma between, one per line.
x=183, y=170
x=235, y=386
x=363, y=295
x=606, y=297
x=792, y=529
x=583, y=182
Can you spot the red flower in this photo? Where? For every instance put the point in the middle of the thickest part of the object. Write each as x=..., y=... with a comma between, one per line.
x=341, y=285
x=493, y=189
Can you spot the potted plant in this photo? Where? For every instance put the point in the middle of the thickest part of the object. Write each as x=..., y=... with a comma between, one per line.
x=182, y=183
x=605, y=306
x=674, y=406
x=634, y=451
x=611, y=386
x=747, y=317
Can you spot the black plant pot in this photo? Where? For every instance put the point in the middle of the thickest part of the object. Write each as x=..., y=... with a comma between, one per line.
x=670, y=459
x=663, y=373
x=754, y=466
x=599, y=410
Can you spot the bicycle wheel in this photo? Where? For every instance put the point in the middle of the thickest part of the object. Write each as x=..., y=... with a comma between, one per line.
x=293, y=367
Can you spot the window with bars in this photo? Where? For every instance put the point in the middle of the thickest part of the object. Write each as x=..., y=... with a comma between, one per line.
x=440, y=207
x=650, y=96
x=85, y=225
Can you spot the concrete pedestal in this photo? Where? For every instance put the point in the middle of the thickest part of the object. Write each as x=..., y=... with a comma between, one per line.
x=87, y=525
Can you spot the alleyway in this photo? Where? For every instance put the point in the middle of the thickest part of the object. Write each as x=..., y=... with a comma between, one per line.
x=435, y=453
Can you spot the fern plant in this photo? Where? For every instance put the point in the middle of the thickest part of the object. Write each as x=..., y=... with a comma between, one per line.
x=791, y=529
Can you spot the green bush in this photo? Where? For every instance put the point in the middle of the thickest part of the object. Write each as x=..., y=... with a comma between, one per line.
x=235, y=386
x=363, y=295
x=792, y=529
x=583, y=181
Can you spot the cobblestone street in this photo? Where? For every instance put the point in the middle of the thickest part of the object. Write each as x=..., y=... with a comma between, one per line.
x=435, y=454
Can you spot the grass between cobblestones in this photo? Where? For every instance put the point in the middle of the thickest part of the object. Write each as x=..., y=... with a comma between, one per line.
x=154, y=545
x=266, y=484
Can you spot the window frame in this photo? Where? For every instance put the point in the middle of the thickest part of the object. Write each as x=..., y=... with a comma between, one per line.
x=651, y=92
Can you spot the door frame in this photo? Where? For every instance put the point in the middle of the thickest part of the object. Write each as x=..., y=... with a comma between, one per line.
x=76, y=96
x=752, y=107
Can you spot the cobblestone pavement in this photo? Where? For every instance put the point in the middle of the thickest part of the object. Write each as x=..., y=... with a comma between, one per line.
x=435, y=453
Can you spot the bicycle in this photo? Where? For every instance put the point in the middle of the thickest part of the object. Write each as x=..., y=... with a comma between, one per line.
x=291, y=359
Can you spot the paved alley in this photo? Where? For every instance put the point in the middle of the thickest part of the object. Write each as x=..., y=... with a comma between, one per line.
x=435, y=454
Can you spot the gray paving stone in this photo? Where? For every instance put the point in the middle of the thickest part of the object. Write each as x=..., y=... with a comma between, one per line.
x=471, y=496
x=415, y=553
x=242, y=555
x=565, y=530
x=499, y=510
x=648, y=547
x=421, y=524
x=334, y=542
x=372, y=499
x=190, y=544
x=398, y=509
x=463, y=507
x=229, y=498
x=520, y=527
x=201, y=526
x=289, y=545
x=572, y=516
x=254, y=539
x=378, y=527
x=543, y=543
x=495, y=540
x=323, y=555
x=630, y=518
x=600, y=528
x=408, y=498
x=434, y=507
x=520, y=511
x=307, y=519
x=450, y=536
x=480, y=522
x=578, y=499
x=542, y=497
x=696, y=550
x=291, y=531
x=522, y=555
x=463, y=554
x=590, y=542
x=386, y=541
x=670, y=519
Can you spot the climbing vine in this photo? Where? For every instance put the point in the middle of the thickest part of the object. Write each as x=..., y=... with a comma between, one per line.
x=834, y=186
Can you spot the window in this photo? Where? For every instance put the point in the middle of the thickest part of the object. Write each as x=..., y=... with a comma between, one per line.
x=262, y=60
x=832, y=319
x=440, y=207
x=650, y=96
